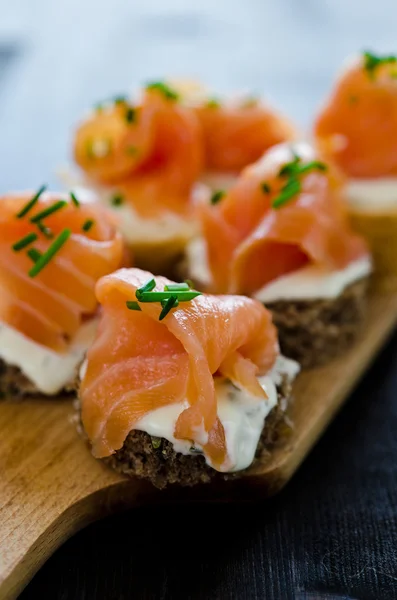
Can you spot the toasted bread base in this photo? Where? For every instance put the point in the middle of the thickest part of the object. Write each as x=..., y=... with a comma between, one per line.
x=14, y=384
x=155, y=459
x=312, y=332
x=160, y=258
x=380, y=231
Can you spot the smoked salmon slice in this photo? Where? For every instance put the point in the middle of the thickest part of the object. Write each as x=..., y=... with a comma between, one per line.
x=283, y=212
x=237, y=133
x=138, y=363
x=152, y=152
x=48, y=303
x=357, y=126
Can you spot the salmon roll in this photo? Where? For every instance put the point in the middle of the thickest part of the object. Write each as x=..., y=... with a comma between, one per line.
x=237, y=130
x=357, y=130
x=143, y=160
x=281, y=235
x=54, y=250
x=178, y=386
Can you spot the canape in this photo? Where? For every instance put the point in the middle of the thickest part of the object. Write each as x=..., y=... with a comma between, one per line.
x=178, y=386
x=143, y=161
x=281, y=235
x=357, y=129
x=237, y=129
x=54, y=249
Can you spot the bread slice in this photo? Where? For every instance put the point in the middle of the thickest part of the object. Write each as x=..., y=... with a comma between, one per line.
x=312, y=332
x=155, y=459
x=14, y=384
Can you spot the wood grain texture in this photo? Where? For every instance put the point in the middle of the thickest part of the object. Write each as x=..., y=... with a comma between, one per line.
x=51, y=486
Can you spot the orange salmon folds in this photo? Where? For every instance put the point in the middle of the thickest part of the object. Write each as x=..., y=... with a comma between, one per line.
x=152, y=152
x=50, y=263
x=283, y=212
x=138, y=363
x=357, y=127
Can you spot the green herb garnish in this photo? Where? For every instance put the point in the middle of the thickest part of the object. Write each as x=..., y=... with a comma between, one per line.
x=46, y=231
x=50, y=253
x=177, y=287
x=168, y=305
x=28, y=207
x=132, y=150
x=265, y=187
x=74, y=199
x=293, y=186
x=213, y=103
x=156, y=442
x=120, y=99
x=88, y=224
x=117, y=200
x=173, y=294
x=25, y=241
x=48, y=211
x=217, y=196
x=372, y=62
x=130, y=115
x=290, y=189
x=132, y=305
x=34, y=254
x=165, y=89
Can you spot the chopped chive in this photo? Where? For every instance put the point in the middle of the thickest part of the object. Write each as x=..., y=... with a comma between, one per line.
x=213, y=103
x=290, y=190
x=28, y=207
x=74, y=199
x=372, y=62
x=88, y=224
x=130, y=115
x=290, y=167
x=46, y=231
x=50, y=253
x=132, y=305
x=190, y=283
x=168, y=305
x=156, y=442
x=34, y=254
x=177, y=287
x=117, y=200
x=165, y=89
x=120, y=99
x=217, y=196
x=132, y=150
x=147, y=287
x=265, y=187
x=28, y=239
x=159, y=296
x=314, y=164
x=48, y=211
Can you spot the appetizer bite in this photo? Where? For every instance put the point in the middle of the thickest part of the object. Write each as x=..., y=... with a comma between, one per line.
x=180, y=387
x=281, y=235
x=142, y=160
x=237, y=131
x=54, y=249
x=357, y=129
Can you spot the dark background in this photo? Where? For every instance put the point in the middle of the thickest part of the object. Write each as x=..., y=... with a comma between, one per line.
x=333, y=530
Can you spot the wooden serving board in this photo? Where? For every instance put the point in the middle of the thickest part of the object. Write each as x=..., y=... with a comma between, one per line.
x=50, y=486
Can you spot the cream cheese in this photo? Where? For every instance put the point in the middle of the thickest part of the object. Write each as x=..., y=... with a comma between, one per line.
x=48, y=370
x=373, y=195
x=308, y=283
x=242, y=416
x=314, y=282
x=136, y=229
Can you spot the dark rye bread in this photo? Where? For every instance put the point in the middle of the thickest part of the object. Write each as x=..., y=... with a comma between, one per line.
x=312, y=332
x=14, y=384
x=155, y=459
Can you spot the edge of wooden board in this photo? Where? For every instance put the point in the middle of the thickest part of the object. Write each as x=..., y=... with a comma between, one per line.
x=51, y=486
